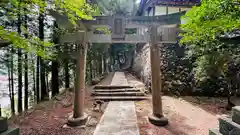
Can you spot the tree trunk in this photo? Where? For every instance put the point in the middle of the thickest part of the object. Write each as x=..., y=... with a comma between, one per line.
x=34, y=80
x=19, y=67
x=55, y=81
x=26, y=69
x=55, y=66
x=41, y=61
x=100, y=64
x=90, y=68
x=44, y=93
x=47, y=82
x=19, y=81
x=11, y=84
x=26, y=82
x=67, y=76
x=66, y=69
x=37, y=79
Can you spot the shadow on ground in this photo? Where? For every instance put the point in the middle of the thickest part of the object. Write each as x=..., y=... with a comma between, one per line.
x=49, y=117
x=176, y=125
x=213, y=105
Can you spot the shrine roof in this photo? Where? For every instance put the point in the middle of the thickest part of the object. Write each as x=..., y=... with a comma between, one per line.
x=144, y=4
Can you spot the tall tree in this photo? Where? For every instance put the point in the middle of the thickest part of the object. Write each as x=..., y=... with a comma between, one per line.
x=10, y=78
x=19, y=23
x=25, y=65
x=55, y=64
x=38, y=80
x=41, y=61
x=66, y=68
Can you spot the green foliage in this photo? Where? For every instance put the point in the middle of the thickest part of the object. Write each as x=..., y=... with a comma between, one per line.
x=29, y=45
x=175, y=69
x=120, y=7
x=74, y=9
x=212, y=18
x=203, y=29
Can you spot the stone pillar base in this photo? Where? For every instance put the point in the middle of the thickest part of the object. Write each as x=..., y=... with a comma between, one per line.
x=11, y=131
x=3, y=124
x=158, y=121
x=80, y=121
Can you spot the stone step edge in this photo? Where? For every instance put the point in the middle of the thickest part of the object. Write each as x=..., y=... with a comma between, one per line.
x=121, y=98
x=112, y=91
x=214, y=132
x=112, y=86
x=11, y=131
x=122, y=92
x=226, y=125
x=119, y=94
x=236, y=114
x=133, y=88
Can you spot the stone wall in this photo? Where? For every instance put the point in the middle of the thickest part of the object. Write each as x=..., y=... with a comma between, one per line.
x=176, y=70
x=141, y=63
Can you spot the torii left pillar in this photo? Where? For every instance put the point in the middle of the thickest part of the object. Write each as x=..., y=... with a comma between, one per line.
x=79, y=118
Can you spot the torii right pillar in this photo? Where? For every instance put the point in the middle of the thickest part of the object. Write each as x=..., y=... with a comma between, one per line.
x=156, y=117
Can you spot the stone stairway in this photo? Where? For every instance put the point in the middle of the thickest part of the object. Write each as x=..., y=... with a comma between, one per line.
x=228, y=125
x=119, y=89
x=119, y=117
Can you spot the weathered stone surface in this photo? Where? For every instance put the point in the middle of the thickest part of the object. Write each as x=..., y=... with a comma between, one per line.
x=118, y=90
x=3, y=124
x=75, y=122
x=128, y=98
x=228, y=127
x=112, y=87
x=11, y=131
x=158, y=121
x=119, y=79
x=236, y=114
x=214, y=132
x=95, y=81
x=119, y=118
x=118, y=93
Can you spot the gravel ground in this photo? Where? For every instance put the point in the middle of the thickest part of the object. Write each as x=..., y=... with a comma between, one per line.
x=48, y=118
x=186, y=115
x=184, y=118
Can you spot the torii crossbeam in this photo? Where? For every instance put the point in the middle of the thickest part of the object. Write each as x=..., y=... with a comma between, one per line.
x=149, y=29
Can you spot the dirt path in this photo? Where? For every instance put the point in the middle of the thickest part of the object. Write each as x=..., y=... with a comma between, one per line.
x=184, y=118
x=48, y=118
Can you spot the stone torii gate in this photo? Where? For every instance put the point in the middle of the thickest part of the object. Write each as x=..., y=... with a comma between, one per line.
x=148, y=29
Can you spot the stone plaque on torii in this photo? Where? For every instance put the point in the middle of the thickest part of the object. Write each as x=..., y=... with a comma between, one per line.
x=150, y=29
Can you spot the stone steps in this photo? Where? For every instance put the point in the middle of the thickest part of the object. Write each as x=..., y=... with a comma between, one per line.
x=118, y=93
x=236, y=114
x=117, y=90
x=228, y=125
x=120, y=98
x=112, y=87
x=119, y=118
x=214, y=132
